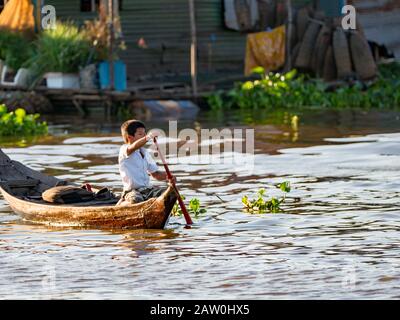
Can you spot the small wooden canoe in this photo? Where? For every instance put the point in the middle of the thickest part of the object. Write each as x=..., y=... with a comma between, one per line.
x=22, y=188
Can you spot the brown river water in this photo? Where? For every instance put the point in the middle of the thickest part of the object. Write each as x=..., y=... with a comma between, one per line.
x=340, y=241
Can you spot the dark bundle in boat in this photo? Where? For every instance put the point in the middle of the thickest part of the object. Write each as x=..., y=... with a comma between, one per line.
x=23, y=188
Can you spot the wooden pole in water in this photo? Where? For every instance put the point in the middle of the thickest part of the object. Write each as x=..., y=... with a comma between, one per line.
x=193, y=48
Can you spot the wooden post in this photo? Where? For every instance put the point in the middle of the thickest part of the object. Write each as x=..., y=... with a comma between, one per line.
x=193, y=48
x=37, y=13
x=289, y=34
x=111, y=43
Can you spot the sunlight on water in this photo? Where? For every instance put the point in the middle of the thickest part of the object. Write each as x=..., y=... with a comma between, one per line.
x=340, y=241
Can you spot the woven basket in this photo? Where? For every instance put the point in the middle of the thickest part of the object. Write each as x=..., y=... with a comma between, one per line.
x=326, y=41
x=320, y=48
x=295, y=52
x=341, y=53
x=303, y=60
x=302, y=20
x=364, y=63
x=330, y=72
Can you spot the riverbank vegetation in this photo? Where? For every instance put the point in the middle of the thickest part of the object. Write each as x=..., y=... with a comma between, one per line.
x=19, y=123
x=294, y=90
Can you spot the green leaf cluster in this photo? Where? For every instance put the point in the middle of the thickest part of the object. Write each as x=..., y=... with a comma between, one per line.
x=194, y=208
x=18, y=123
x=262, y=205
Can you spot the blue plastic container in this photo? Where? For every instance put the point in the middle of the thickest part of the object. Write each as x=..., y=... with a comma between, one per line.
x=120, y=82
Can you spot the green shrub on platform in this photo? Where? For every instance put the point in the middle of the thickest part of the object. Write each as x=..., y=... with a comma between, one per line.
x=18, y=123
x=63, y=49
x=15, y=49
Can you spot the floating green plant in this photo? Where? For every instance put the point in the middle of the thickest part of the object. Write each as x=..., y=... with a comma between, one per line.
x=294, y=90
x=261, y=205
x=194, y=208
x=18, y=123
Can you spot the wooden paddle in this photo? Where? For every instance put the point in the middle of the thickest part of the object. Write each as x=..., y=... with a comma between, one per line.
x=189, y=221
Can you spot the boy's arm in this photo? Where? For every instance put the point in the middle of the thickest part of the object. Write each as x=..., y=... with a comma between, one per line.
x=138, y=144
x=161, y=176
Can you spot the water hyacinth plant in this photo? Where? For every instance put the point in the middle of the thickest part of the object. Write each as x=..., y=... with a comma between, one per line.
x=193, y=208
x=294, y=90
x=261, y=205
x=18, y=123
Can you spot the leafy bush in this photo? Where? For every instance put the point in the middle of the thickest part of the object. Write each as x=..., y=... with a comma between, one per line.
x=18, y=123
x=15, y=49
x=292, y=90
x=63, y=49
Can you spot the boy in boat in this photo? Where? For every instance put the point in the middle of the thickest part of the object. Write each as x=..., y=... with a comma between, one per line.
x=136, y=164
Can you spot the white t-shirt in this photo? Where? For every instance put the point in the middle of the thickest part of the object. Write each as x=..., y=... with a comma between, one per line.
x=135, y=169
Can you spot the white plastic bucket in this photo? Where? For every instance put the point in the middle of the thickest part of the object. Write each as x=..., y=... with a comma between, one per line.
x=58, y=80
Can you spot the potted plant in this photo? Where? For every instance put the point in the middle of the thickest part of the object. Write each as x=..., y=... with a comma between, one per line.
x=15, y=52
x=60, y=53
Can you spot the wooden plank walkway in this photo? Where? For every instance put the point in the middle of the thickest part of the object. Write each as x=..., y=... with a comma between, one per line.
x=109, y=99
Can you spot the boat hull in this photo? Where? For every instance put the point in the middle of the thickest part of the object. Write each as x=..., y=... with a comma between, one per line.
x=151, y=214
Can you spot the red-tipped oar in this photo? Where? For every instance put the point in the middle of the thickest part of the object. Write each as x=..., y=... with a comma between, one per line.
x=189, y=221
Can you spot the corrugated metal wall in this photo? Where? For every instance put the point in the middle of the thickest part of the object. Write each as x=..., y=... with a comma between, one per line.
x=165, y=28
x=70, y=9
x=381, y=22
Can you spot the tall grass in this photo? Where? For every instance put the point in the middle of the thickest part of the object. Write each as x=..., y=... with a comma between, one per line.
x=63, y=49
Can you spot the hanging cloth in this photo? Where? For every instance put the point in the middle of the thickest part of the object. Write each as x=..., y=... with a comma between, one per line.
x=265, y=49
x=17, y=15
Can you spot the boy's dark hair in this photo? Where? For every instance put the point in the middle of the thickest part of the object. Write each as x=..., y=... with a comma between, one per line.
x=129, y=128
